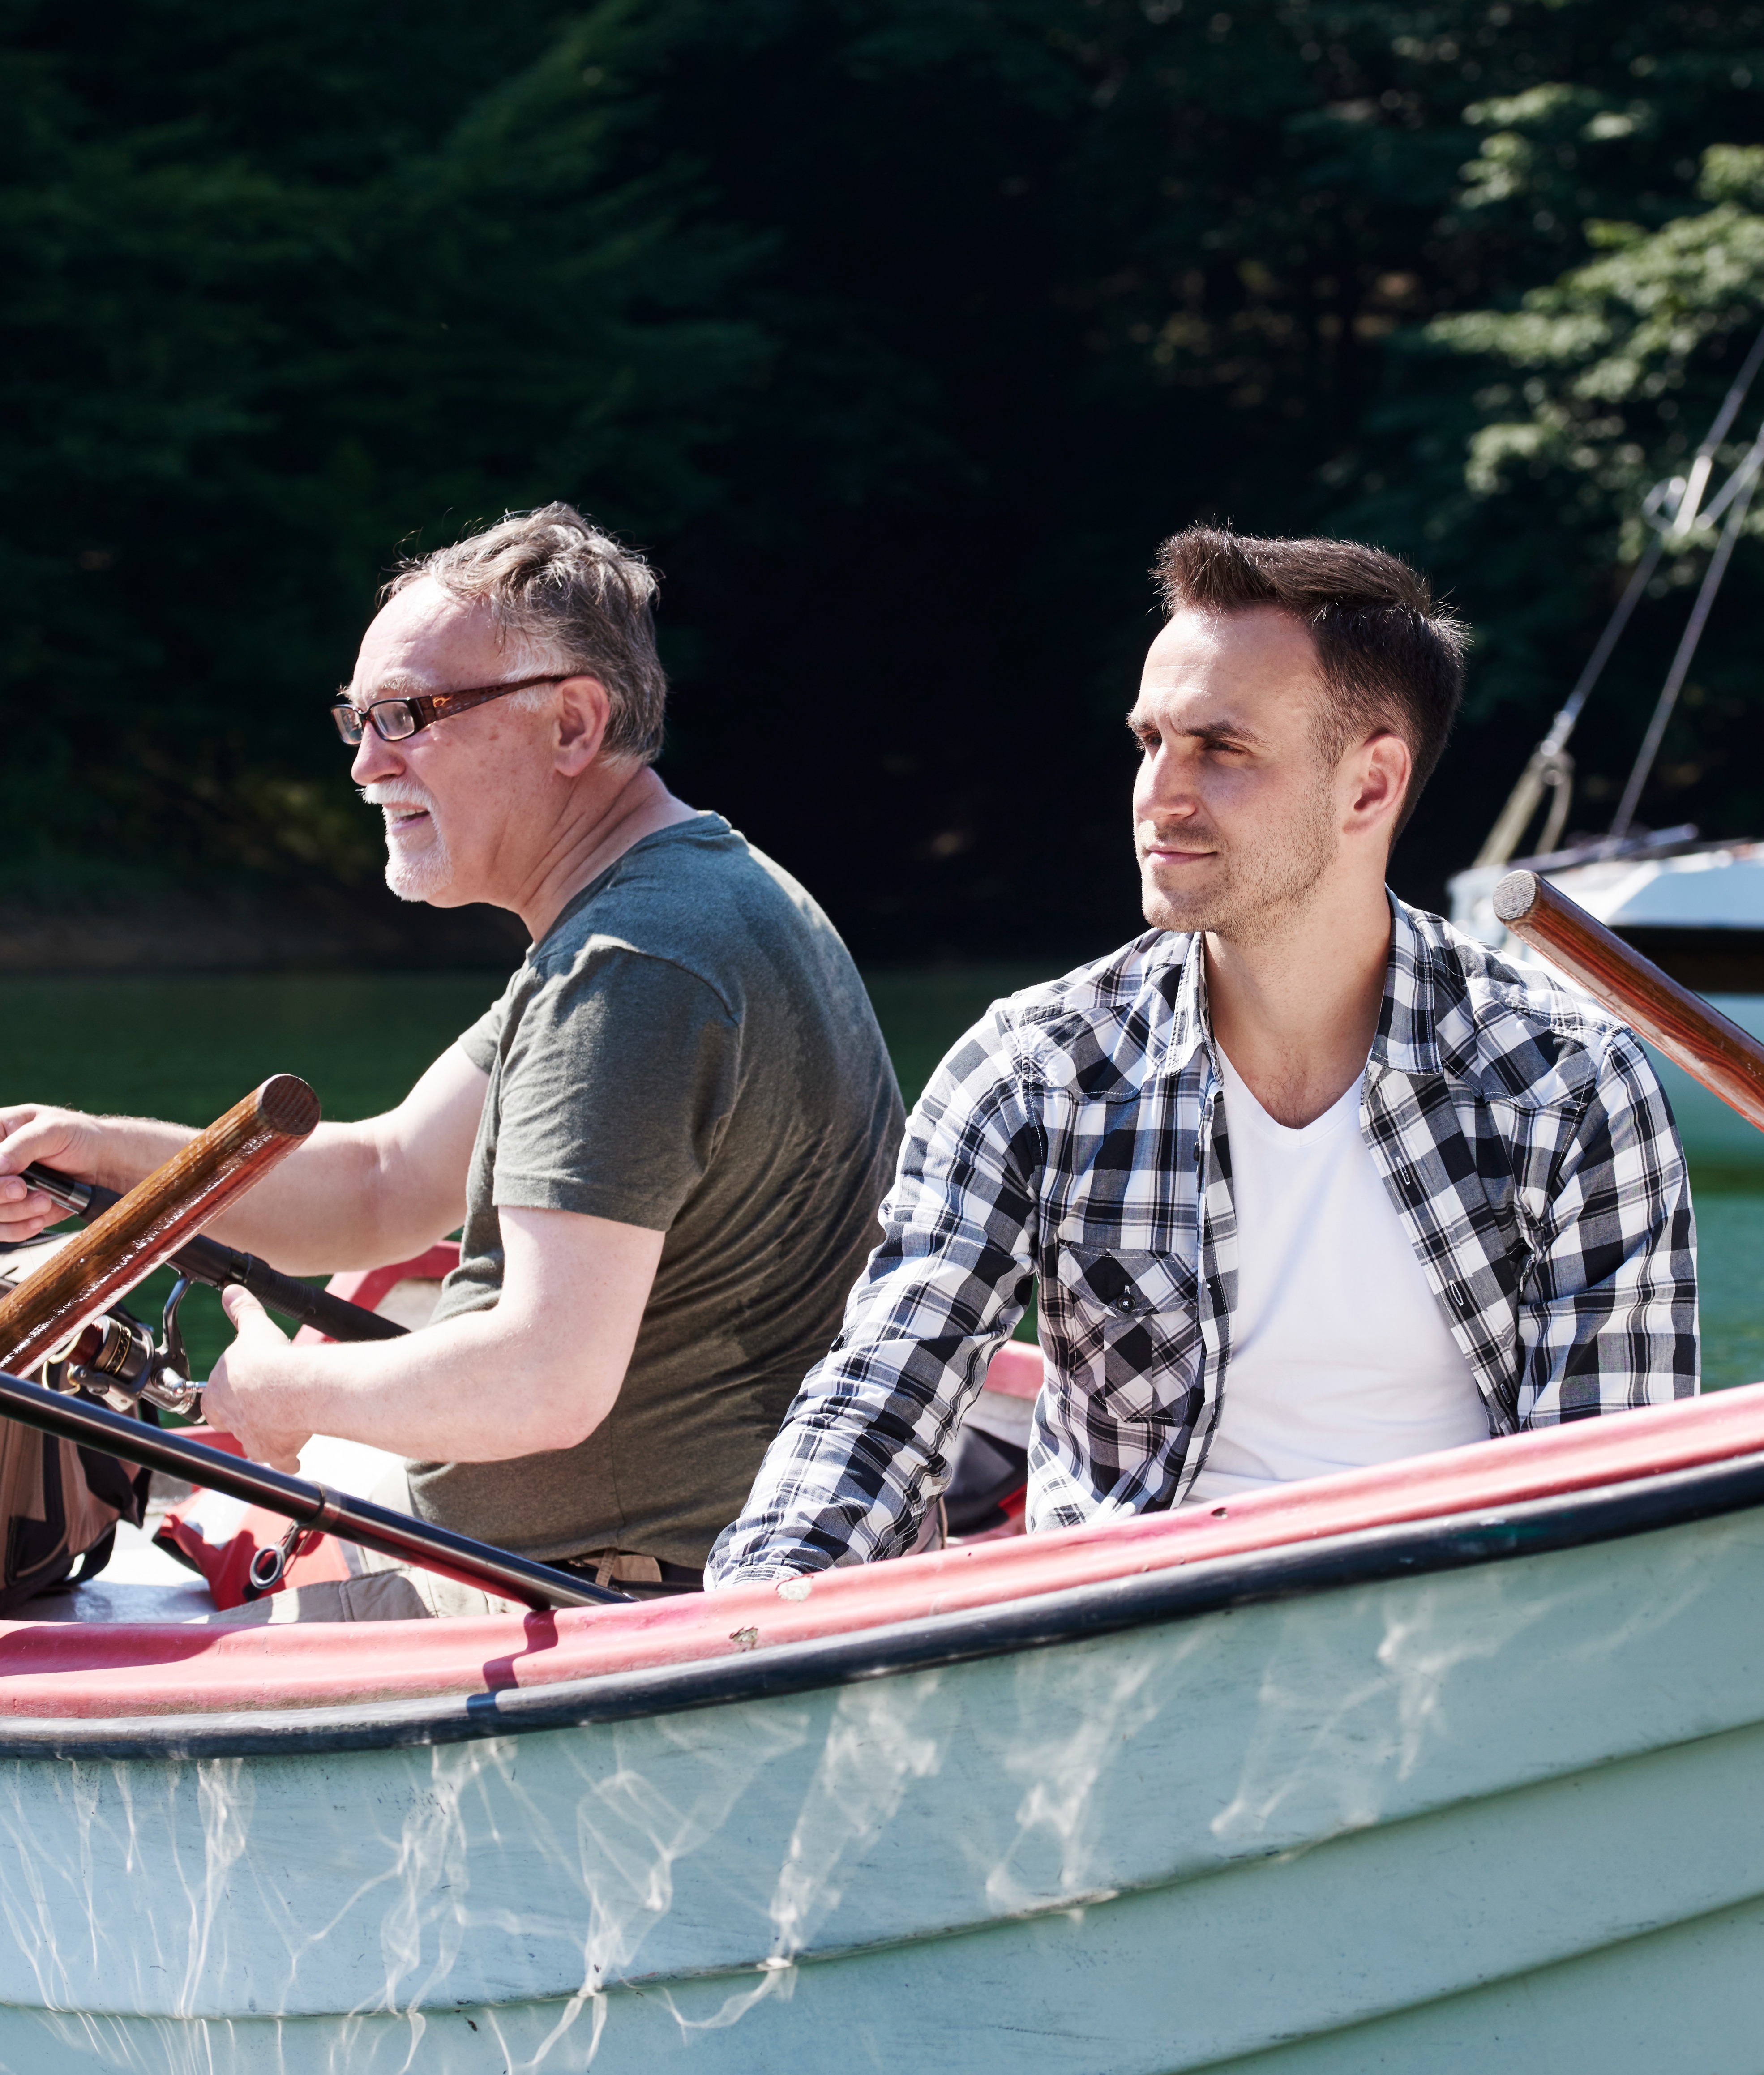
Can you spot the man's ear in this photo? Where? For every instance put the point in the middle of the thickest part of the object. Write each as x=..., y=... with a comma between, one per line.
x=584, y=708
x=1384, y=766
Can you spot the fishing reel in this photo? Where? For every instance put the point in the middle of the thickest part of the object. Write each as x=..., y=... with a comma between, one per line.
x=115, y=1359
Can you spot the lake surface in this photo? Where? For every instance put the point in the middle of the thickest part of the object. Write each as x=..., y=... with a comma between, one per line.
x=188, y=1049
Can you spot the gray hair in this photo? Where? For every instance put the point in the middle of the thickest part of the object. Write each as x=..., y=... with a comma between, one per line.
x=552, y=578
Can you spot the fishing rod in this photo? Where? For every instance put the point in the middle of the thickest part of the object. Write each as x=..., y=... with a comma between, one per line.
x=1671, y=508
x=207, y=1261
x=311, y=1509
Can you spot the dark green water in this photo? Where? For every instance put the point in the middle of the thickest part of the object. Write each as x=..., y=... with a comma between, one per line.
x=188, y=1048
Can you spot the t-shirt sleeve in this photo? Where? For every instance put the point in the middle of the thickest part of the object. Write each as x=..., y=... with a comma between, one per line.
x=480, y=1041
x=617, y=1082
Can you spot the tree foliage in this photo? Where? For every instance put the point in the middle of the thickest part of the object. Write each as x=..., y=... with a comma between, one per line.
x=898, y=331
x=1586, y=394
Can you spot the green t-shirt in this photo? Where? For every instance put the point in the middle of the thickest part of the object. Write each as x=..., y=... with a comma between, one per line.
x=689, y=1048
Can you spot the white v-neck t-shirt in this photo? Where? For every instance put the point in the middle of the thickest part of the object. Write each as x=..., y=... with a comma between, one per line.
x=1341, y=1355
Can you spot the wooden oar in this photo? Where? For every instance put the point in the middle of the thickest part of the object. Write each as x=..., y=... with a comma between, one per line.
x=1725, y=1059
x=153, y=1220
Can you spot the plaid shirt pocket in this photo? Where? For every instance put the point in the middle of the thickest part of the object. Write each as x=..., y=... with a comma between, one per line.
x=1130, y=1324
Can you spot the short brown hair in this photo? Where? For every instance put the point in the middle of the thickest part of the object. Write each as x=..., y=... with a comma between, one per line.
x=1388, y=656
x=551, y=577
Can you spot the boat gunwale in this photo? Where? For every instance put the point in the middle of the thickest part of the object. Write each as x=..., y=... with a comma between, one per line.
x=1484, y=1534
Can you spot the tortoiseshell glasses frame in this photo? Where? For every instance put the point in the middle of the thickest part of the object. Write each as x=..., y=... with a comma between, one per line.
x=395, y=720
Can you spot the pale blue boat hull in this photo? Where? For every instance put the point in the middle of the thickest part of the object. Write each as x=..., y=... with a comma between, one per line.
x=1507, y=1816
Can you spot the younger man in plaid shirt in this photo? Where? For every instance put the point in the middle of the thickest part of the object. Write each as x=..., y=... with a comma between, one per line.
x=1305, y=1180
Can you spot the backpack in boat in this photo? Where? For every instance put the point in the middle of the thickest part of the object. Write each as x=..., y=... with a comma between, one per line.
x=59, y=1507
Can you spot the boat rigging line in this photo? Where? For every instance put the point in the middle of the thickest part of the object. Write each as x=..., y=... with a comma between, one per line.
x=1671, y=509
x=1737, y=496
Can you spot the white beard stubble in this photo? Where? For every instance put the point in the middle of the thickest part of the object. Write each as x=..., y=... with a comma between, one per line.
x=421, y=876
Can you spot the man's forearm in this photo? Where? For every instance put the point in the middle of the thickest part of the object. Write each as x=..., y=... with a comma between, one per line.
x=131, y=1147
x=459, y=1392
x=332, y=1206
x=535, y=1372
x=355, y=1196
x=825, y=1493
x=358, y=1195
x=830, y=1490
x=324, y=1210
x=474, y=1389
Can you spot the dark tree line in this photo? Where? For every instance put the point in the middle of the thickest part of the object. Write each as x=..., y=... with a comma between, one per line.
x=898, y=332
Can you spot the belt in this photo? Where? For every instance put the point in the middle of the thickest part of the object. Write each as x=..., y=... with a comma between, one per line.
x=643, y=1577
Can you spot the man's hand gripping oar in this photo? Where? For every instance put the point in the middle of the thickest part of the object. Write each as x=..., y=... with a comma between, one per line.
x=60, y=1307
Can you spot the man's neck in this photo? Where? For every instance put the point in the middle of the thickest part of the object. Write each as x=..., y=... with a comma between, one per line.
x=606, y=823
x=1296, y=1011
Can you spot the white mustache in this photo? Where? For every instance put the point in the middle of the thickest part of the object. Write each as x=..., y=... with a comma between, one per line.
x=392, y=792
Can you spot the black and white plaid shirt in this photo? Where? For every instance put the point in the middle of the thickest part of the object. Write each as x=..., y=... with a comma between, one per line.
x=1074, y=1140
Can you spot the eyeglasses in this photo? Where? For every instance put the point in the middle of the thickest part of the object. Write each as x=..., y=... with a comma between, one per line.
x=393, y=720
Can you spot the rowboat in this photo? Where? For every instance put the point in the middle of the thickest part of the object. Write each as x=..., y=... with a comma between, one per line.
x=1400, y=1769
x=1445, y=1765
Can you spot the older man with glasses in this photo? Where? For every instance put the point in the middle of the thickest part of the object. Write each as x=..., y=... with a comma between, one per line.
x=667, y=1140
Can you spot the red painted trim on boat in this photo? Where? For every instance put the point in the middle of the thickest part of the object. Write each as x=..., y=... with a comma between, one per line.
x=69, y=1670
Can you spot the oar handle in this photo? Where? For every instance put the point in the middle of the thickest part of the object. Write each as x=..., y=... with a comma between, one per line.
x=1724, y=1058
x=149, y=1224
